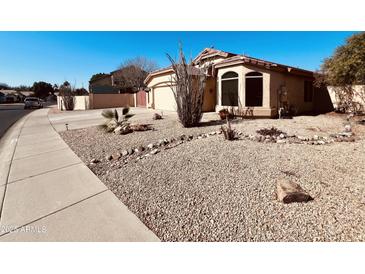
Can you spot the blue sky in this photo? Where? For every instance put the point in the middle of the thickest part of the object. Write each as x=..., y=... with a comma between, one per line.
x=54, y=57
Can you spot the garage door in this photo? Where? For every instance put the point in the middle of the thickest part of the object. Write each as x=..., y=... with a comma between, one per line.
x=164, y=98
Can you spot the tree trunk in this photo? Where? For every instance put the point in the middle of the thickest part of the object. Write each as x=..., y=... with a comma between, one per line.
x=289, y=192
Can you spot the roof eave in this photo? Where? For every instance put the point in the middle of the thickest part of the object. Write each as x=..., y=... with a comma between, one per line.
x=156, y=73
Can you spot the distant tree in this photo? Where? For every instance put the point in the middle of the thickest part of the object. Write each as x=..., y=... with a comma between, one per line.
x=67, y=94
x=144, y=63
x=66, y=84
x=345, y=69
x=81, y=91
x=23, y=88
x=42, y=89
x=97, y=76
x=132, y=72
x=4, y=86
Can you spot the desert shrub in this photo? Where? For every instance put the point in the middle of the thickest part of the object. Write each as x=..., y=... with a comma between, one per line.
x=116, y=123
x=225, y=113
x=188, y=85
x=157, y=116
x=228, y=132
x=273, y=131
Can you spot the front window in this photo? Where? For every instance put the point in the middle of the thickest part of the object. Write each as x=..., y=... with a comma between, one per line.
x=229, y=86
x=254, y=89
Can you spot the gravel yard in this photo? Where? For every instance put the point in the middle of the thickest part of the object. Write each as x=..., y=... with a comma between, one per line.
x=215, y=190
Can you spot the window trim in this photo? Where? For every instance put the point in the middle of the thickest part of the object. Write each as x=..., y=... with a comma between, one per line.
x=229, y=79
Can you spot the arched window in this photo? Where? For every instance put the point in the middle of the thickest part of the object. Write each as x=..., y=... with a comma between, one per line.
x=229, y=84
x=254, y=89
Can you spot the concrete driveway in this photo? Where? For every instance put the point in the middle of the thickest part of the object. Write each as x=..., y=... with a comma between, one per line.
x=87, y=118
x=9, y=114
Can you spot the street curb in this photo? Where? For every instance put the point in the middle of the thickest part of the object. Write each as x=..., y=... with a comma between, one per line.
x=8, y=145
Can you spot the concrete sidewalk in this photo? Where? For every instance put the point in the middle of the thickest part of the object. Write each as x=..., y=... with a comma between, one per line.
x=48, y=194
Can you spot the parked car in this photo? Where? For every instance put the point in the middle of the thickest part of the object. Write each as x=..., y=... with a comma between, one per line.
x=33, y=102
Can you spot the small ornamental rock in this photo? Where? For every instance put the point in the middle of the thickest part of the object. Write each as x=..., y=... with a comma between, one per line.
x=290, y=192
x=348, y=128
x=315, y=137
x=118, y=130
x=150, y=146
x=124, y=153
x=281, y=141
x=282, y=136
x=155, y=151
x=116, y=156
x=130, y=151
x=94, y=161
x=108, y=157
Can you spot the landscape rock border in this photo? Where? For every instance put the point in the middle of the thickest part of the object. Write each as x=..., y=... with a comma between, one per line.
x=140, y=152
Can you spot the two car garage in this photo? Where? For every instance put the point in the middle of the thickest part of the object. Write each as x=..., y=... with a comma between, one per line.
x=163, y=98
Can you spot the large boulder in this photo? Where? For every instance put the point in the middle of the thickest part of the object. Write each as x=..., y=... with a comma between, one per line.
x=290, y=192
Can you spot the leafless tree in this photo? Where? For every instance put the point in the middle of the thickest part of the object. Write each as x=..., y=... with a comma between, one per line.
x=68, y=98
x=188, y=84
x=68, y=95
x=133, y=72
x=141, y=62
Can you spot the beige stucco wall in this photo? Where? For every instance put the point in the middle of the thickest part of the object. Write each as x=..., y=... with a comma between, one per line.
x=111, y=100
x=161, y=91
x=209, y=94
x=294, y=87
x=359, y=91
x=81, y=103
x=161, y=96
x=242, y=70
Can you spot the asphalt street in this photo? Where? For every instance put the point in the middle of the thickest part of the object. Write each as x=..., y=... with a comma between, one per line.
x=9, y=114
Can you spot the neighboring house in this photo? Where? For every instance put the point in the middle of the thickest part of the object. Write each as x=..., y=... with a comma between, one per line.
x=108, y=91
x=2, y=98
x=103, y=83
x=254, y=86
x=13, y=96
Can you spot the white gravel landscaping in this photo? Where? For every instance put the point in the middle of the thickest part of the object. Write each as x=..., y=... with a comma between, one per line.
x=211, y=189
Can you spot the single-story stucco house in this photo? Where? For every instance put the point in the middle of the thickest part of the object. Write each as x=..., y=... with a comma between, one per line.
x=252, y=85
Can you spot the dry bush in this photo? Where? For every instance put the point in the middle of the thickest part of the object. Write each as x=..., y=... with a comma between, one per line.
x=141, y=127
x=156, y=116
x=188, y=85
x=228, y=132
x=273, y=131
x=225, y=113
x=68, y=97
